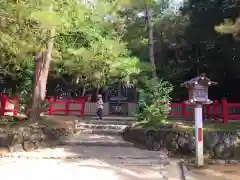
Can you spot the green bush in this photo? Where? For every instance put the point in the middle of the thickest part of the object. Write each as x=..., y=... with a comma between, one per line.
x=155, y=97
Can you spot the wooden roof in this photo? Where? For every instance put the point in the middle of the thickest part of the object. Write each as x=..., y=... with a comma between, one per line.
x=202, y=78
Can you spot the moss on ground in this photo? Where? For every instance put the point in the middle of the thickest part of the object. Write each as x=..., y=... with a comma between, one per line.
x=9, y=122
x=190, y=125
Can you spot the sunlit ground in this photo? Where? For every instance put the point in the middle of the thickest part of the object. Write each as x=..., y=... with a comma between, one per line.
x=58, y=169
x=108, y=163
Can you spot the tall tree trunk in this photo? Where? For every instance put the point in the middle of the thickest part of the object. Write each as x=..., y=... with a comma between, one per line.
x=34, y=112
x=150, y=40
x=41, y=76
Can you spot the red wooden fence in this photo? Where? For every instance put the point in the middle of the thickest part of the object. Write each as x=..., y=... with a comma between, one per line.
x=218, y=110
x=9, y=105
x=67, y=102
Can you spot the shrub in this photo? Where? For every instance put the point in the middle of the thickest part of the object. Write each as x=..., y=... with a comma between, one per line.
x=155, y=99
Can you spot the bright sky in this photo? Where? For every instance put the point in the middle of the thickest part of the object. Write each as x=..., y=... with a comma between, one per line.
x=174, y=6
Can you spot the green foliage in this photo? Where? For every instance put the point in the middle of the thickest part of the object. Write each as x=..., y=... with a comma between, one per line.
x=95, y=42
x=155, y=95
x=226, y=27
x=95, y=52
x=88, y=45
x=229, y=27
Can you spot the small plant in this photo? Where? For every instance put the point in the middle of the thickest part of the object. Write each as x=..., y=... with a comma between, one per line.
x=155, y=96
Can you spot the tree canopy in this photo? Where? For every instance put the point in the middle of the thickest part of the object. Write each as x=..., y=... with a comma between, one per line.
x=88, y=44
x=96, y=41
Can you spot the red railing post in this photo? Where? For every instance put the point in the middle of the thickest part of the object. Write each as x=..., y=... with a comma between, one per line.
x=83, y=108
x=50, y=109
x=215, y=110
x=184, y=109
x=67, y=106
x=82, y=100
x=225, y=111
x=15, y=108
x=3, y=103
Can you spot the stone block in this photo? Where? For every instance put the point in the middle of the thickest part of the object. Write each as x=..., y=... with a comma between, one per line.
x=28, y=146
x=218, y=144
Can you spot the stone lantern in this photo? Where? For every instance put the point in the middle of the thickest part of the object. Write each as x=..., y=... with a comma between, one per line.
x=198, y=90
x=198, y=95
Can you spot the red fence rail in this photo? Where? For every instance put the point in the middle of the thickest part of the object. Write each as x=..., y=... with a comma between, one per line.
x=11, y=106
x=218, y=110
x=66, y=105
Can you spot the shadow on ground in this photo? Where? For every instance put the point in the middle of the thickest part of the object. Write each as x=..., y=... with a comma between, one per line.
x=109, y=162
x=94, y=162
x=120, y=162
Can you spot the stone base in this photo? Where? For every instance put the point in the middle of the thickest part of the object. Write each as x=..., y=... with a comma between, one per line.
x=220, y=145
x=30, y=137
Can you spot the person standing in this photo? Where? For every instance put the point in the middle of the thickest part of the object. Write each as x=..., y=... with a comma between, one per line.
x=100, y=106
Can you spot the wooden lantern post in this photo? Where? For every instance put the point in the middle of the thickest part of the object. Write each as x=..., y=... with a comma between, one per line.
x=198, y=95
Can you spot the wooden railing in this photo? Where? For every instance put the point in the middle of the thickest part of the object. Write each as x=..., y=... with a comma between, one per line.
x=219, y=110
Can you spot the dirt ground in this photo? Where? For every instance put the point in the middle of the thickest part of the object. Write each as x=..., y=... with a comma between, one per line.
x=213, y=172
x=63, y=119
x=216, y=172
x=84, y=161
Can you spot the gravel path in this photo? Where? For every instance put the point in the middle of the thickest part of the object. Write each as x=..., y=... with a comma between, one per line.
x=90, y=162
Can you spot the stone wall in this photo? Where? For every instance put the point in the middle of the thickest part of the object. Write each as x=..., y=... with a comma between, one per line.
x=31, y=136
x=216, y=144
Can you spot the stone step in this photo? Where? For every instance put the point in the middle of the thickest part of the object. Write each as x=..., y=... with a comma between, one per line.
x=82, y=130
x=95, y=140
x=101, y=126
x=126, y=118
x=110, y=121
x=145, y=161
x=84, y=143
x=108, y=129
x=93, y=152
